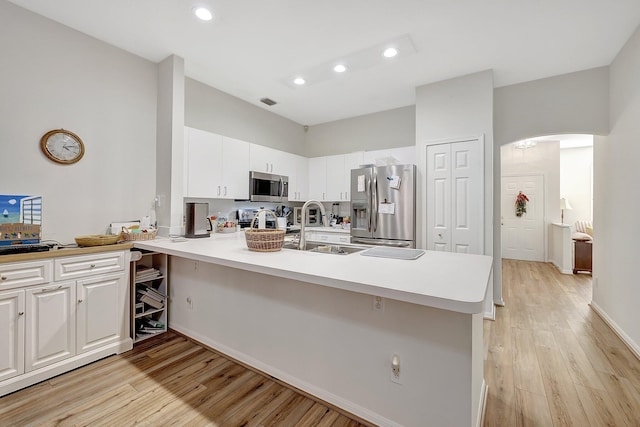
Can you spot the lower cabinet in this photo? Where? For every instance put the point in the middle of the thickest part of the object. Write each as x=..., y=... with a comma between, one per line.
x=12, y=321
x=57, y=325
x=51, y=325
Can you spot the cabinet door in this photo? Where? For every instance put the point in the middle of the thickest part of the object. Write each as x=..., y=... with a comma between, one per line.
x=235, y=169
x=317, y=178
x=100, y=311
x=335, y=177
x=51, y=324
x=351, y=161
x=12, y=320
x=302, y=178
x=203, y=152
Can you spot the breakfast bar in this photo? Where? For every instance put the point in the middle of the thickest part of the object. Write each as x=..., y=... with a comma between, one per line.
x=331, y=325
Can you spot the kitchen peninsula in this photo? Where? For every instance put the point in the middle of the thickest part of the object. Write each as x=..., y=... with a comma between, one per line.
x=310, y=319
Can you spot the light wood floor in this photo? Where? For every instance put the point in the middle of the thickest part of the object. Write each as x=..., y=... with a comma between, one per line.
x=552, y=361
x=167, y=380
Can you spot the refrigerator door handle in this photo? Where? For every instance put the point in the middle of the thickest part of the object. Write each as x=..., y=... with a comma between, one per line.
x=370, y=206
x=374, y=208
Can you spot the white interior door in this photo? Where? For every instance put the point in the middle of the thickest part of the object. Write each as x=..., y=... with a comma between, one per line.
x=523, y=237
x=455, y=197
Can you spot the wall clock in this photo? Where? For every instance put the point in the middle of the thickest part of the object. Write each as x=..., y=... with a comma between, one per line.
x=62, y=146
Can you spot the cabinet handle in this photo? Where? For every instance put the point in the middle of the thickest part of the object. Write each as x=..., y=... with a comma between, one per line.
x=79, y=301
x=55, y=288
x=21, y=313
x=323, y=196
x=225, y=190
x=4, y=277
x=218, y=190
x=267, y=164
x=92, y=266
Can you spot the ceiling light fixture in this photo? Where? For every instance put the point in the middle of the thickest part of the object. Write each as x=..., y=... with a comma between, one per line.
x=299, y=81
x=390, y=52
x=339, y=68
x=203, y=13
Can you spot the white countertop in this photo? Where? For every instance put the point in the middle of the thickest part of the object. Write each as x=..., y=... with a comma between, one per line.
x=451, y=281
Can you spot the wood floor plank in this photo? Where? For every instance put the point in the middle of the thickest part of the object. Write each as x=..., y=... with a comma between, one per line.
x=588, y=375
x=532, y=409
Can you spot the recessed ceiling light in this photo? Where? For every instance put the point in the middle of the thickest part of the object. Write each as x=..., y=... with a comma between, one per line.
x=339, y=68
x=390, y=52
x=299, y=81
x=203, y=13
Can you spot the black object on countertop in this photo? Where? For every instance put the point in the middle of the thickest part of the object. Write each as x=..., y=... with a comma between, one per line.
x=21, y=249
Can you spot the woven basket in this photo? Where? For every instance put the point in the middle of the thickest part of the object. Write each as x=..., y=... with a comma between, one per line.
x=261, y=240
x=97, y=240
x=128, y=235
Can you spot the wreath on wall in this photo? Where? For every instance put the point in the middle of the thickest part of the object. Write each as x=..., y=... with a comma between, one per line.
x=521, y=203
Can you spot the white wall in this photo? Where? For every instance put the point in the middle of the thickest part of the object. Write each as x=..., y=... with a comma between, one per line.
x=570, y=103
x=54, y=77
x=210, y=109
x=460, y=107
x=576, y=174
x=543, y=159
x=385, y=129
x=616, y=176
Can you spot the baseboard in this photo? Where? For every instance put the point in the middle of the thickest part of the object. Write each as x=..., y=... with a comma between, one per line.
x=29, y=378
x=482, y=405
x=490, y=315
x=560, y=269
x=626, y=339
x=499, y=303
x=339, y=402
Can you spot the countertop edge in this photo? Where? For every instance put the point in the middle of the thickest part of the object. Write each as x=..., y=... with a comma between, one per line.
x=62, y=252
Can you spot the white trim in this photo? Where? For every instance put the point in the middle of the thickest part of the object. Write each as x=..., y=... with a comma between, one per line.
x=626, y=339
x=482, y=405
x=491, y=315
x=560, y=268
x=499, y=303
x=320, y=393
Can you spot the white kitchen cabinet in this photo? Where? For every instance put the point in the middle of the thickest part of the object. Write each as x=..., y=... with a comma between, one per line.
x=318, y=178
x=216, y=166
x=330, y=176
x=269, y=160
x=99, y=311
x=61, y=313
x=12, y=321
x=401, y=155
x=51, y=324
x=299, y=182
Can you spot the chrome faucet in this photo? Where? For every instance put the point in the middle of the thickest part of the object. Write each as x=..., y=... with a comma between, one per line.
x=303, y=220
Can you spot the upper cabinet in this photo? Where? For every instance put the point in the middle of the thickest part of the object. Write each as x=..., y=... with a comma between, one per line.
x=298, y=178
x=269, y=160
x=402, y=155
x=216, y=166
x=330, y=176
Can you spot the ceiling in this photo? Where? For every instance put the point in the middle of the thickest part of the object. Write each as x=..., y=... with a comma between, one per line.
x=253, y=48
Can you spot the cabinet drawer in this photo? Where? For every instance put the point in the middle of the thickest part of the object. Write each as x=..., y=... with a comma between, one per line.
x=89, y=265
x=25, y=274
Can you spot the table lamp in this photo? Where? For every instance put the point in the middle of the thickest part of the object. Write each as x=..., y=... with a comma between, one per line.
x=564, y=205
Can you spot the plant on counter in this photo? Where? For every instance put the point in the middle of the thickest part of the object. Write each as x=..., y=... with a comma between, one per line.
x=521, y=203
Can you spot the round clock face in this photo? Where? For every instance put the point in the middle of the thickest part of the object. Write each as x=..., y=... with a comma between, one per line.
x=62, y=146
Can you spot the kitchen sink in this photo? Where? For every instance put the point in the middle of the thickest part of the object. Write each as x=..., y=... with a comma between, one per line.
x=324, y=248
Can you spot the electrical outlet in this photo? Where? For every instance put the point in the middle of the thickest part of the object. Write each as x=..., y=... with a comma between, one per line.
x=378, y=303
x=395, y=369
x=190, y=303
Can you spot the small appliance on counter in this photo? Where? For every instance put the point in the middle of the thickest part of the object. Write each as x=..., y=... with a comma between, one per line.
x=245, y=216
x=198, y=223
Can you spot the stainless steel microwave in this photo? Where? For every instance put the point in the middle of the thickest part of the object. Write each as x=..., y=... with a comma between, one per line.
x=267, y=187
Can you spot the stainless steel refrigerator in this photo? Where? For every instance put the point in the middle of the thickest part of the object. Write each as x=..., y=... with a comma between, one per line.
x=383, y=205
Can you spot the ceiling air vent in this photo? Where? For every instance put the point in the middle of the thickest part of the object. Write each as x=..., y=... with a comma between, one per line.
x=268, y=101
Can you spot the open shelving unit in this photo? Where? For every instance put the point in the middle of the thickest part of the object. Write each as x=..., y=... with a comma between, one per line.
x=149, y=294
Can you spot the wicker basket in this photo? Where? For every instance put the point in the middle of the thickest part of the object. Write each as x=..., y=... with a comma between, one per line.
x=261, y=240
x=97, y=240
x=129, y=236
